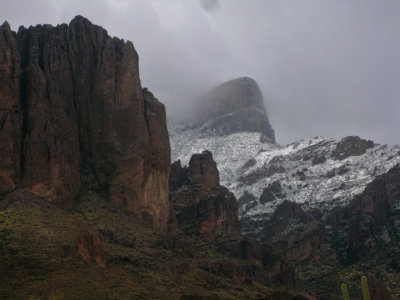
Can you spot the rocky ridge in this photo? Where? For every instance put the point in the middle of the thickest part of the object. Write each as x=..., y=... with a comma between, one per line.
x=263, y=175
x=74, y=116
x=330, y=206
x=83, y=149
x=207, y=212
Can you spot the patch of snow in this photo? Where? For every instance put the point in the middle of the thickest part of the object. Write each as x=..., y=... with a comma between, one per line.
x=324, y=185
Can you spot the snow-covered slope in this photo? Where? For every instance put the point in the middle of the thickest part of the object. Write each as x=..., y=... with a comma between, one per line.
x=262, y=175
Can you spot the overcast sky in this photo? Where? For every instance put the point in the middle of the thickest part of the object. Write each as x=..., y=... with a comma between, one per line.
x=329, y=68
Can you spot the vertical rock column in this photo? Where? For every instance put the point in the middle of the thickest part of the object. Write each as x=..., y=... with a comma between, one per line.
x=10, y=111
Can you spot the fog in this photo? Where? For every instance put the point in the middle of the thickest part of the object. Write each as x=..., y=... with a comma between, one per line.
x=325, y=67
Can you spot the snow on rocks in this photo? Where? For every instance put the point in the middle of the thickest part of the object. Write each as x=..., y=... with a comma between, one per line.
x=306, y=172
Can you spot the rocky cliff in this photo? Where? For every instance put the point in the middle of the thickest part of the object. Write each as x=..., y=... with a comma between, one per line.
x=74, y=116
x=207, y=211
x=200, y=203
x=330, y=206
x=234, y=106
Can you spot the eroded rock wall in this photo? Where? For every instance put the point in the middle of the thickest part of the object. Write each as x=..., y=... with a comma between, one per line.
x=74, y=116
x=200, y=203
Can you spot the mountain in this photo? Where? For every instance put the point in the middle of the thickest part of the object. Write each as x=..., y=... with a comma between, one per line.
x=85, y=207
x=234, y=106
x=207, y=212
x=323, y=203
x=69, y=96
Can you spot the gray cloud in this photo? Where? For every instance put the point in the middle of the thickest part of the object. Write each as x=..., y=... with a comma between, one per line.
x=209, y=5
x=325, y=67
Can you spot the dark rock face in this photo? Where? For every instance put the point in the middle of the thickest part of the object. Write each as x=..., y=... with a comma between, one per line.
x=234, y=106
x=74, y=115
x=10, y=111
x=218, y=210
x=366, y=231
x=204, y=209
x=351, y=146
x=247, y=201
x=370, y=221
x=203, y=171
x=267, y=265
x=274, y=190
x=298, y=235
x=373, y=212
x=202, y=176
x=200, y=203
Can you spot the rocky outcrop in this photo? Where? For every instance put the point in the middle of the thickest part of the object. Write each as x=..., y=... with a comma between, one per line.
x=201, y=176
x=90, y=248
x=234, y=106
x=371, y=220
x=351, y=146
x=265, y=265
x=74, y=116
x=373, y=217
x=10, y=111
x=298, y=235
x=200, y=203
x=217, y=210
x=270, y=193
x=204, y=210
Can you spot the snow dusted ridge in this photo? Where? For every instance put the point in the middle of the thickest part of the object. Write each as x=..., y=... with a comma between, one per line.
x=306, y=172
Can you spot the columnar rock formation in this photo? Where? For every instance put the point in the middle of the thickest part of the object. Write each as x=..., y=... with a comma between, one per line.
x=200, y=203
x=74, y=115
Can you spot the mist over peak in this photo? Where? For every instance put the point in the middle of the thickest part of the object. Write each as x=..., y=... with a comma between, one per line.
x=233, y=106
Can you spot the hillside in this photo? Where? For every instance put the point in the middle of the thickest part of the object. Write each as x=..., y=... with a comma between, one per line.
x=86, y=209
x=330, y=207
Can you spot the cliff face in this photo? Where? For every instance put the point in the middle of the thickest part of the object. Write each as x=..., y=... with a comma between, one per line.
x=74, y=116
x=200, y=203
x=207, y=211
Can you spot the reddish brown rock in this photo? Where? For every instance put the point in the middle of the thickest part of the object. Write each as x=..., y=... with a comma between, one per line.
x=203, y=171
x=75, y=116
x=200, y=203
x=263, y=263
x=10, y=111
x=298, y=235
x=90, y=248
x=217, y=210
x=201, y=176
x=177, y=176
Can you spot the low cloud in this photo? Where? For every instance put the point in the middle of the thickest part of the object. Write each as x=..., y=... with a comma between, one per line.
x=328, y=68
x=209, y=5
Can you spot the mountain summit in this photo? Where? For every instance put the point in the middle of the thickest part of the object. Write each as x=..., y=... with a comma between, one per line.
x=234, y=106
